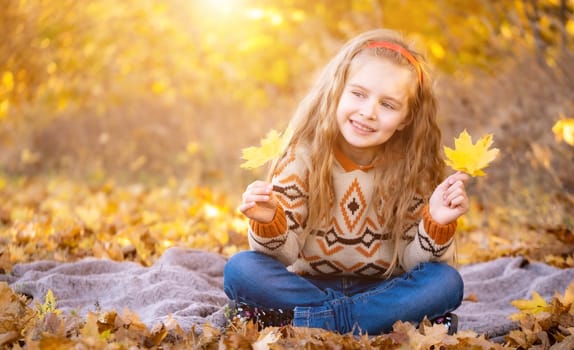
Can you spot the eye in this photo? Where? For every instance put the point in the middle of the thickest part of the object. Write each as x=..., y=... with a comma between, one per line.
x=358, y=93
x=387, y=105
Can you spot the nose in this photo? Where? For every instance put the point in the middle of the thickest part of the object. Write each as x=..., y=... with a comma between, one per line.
x=368, y=109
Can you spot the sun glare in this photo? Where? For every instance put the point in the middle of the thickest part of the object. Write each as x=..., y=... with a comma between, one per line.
x=255, y=14
x=221, y=6
x=210, y=211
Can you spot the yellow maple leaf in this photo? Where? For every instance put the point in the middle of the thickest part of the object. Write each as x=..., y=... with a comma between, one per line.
x=271, y=147
x=468, y=157
x=564, y=130
x=529, y=307
x=49, y=305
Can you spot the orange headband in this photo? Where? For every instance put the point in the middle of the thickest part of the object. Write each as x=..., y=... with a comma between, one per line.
x=404, y=52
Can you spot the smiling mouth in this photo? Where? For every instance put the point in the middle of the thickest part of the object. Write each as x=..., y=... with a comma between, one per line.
x=361, y=127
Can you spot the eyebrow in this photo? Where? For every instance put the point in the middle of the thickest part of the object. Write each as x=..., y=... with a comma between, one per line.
x=386, y=97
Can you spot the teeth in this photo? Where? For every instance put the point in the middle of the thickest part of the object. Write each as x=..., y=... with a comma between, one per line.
x=362, y=127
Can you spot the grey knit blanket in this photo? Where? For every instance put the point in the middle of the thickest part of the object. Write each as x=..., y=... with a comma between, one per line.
x=498, y=282
x=187, y=284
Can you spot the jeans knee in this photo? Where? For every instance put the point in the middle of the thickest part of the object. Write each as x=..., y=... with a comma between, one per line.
x=455, y=279
x=238, y=271
x=237, y=265
x=447, y=279
x=232, y=273
x=451, y=280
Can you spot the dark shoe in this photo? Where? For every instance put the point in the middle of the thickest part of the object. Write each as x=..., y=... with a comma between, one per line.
x=449, y=320
x=261, y=316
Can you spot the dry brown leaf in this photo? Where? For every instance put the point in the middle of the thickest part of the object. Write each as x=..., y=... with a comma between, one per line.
x=433, y=335
x=476, y=342
x=107, y=321
x=472, y=298
x=209, y=334
x=5, y=263
x=55, y=325
x=90, y=329
x=14, y=314
x=56, y=343
x=158, y=334
x=8, y=337
x=266, y=337
x=566, y=344
x=568, y=298
x=518, y=338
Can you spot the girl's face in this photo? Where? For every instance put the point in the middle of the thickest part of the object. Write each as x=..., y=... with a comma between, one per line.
x=372, y=107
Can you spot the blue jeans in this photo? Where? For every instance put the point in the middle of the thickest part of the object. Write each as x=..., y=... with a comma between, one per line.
x=344, y=304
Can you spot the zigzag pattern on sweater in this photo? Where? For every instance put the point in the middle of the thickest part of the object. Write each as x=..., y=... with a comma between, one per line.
x=270, y=244
x=430, y=246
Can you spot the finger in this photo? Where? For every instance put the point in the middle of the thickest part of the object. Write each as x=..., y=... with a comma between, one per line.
x=260, y=184
x=256, y=198
x=256, y=191
x=452, y=195
x=458, y=184
x=256, y=183
x=246, y=206
x=455, y=188
x=460, y=203
x=459, y=176
x=455, y=193
x=263, y=188
x=452, y=179
x=456, y=201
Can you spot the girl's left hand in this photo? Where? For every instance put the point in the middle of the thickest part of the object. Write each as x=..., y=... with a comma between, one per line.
x=449, y=200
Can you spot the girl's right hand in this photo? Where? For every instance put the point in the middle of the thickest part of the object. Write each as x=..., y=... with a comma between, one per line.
x=258, y=203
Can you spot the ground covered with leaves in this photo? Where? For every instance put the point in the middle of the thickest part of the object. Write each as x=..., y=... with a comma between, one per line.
x=63, y=220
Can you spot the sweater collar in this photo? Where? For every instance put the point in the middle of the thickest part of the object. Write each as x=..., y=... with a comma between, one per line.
x=348, y=164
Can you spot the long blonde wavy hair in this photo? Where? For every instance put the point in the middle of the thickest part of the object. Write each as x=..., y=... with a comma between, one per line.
x=409, y=164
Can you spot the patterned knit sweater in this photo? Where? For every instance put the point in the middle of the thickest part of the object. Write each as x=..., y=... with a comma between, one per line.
x=351, y=241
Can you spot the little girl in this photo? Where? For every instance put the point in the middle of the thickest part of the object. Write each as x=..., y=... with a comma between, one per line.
x=355, y=227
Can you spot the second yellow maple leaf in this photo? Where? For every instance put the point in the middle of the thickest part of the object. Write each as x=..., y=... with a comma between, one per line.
x=271, y=147
x=468, y=157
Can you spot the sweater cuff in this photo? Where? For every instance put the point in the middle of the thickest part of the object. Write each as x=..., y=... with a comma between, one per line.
x=274, y=228
x=439, y=233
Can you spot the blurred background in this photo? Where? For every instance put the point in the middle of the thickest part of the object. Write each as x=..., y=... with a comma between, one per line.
x=160, y=91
